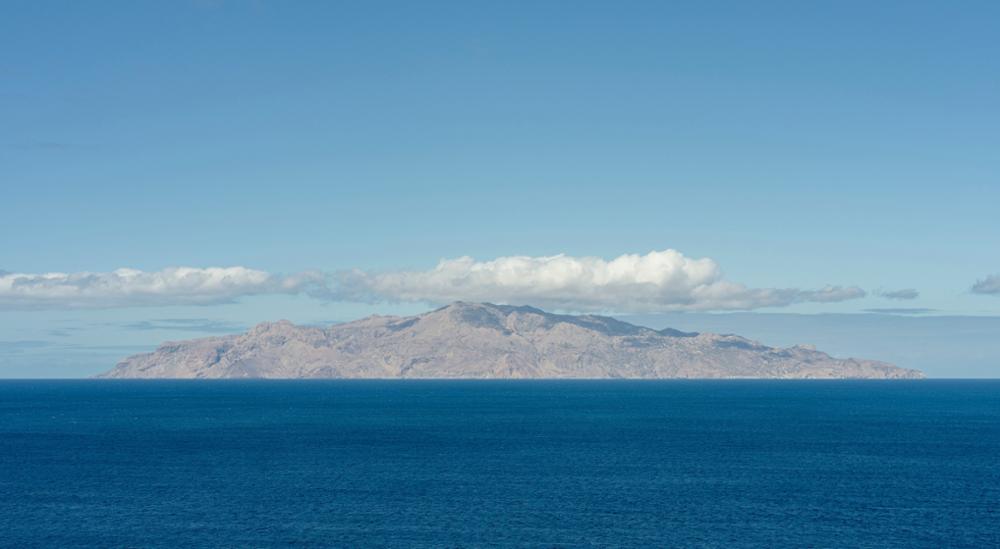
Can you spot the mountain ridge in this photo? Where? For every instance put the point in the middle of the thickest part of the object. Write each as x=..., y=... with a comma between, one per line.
x=487, y=341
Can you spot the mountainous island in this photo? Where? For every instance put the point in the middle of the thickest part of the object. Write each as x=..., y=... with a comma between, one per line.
x=485, y=341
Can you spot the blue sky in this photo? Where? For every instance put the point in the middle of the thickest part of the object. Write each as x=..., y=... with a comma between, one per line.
x=797, y=146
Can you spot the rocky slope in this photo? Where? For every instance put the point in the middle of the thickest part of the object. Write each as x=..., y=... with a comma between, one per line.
x=471, y=340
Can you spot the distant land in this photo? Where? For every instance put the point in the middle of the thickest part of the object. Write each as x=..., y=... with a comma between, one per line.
x=486, y=341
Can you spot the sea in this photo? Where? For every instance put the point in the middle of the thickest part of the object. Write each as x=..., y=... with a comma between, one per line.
x=104, y=463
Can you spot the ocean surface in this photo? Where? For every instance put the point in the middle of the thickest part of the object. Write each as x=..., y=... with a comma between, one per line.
x=494, y=464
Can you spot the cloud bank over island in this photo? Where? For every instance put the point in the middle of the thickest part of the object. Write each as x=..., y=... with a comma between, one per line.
x=658, y=281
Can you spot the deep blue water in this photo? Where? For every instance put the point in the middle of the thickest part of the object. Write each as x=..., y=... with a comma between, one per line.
x=456, y=464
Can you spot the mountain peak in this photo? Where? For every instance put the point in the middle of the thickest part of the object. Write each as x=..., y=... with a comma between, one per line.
x=492, y=307
x=520, y=318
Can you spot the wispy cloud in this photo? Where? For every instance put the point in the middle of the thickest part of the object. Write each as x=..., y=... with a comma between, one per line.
x=989, y=285
x=901, y=311
x=40, y=347
x=904, y=294
x=203, y=325
x=21, y=345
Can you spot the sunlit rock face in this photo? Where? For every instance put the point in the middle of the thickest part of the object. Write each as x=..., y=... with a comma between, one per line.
x=485, y=341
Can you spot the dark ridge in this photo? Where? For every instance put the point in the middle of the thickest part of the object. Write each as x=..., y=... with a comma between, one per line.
x=605, y=324
x=737, y=345
x=479, y=316
x=677, y=333
x=403, y=324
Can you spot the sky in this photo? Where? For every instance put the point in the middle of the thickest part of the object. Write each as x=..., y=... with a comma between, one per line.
x=180, y=169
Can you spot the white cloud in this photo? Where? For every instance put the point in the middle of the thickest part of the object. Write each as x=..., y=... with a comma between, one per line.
x=988, y=285
x=130, y=287
x=658, y=281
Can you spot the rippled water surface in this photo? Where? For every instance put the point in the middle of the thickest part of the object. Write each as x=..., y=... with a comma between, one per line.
x=464, y=463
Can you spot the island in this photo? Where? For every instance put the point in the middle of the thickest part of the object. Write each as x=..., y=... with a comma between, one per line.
x=487, y=341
